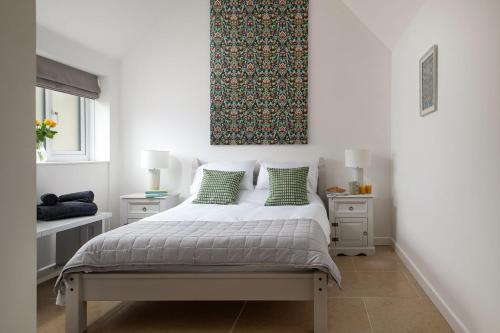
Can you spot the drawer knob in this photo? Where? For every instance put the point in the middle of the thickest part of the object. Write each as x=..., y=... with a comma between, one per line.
x=144, y=209
x=351, y=208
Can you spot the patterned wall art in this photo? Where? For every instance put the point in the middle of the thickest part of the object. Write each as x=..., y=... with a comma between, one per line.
x=258, y=72
x=429, y=81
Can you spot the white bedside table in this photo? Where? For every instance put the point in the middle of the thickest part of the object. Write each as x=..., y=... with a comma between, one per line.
x=351, y=224
x=134, y=207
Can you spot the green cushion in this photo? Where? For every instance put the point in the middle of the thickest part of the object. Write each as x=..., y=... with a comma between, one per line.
x=287, y=186
x=219, y=187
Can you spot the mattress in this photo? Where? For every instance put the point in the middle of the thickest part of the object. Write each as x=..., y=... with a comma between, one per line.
x=213, y=238
x=250, y=207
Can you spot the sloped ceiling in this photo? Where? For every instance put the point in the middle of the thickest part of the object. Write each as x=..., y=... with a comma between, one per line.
x=108, y=26
x=387, y=19
x=112, y=27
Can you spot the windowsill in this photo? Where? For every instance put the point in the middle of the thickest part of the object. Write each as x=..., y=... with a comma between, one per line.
x=70, y=162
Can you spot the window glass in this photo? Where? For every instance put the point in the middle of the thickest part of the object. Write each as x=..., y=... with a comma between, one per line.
x=66, y=111
x=74, y=116
x=40, y=100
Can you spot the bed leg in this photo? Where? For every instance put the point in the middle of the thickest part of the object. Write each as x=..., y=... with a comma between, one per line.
x=76, y=308
x=320, y=303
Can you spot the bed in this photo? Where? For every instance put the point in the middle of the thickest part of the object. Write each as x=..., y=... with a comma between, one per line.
x=207, y=252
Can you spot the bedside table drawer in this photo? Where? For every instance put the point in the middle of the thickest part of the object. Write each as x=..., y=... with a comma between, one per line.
x=143, y=207
x=132, y=220
x=134, y=207
x=351, y=207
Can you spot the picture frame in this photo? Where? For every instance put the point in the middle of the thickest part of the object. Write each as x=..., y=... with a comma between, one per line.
x=428, y=74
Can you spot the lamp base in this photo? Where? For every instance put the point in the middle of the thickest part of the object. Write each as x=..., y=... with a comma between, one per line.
x=358, y=175
x=154, y=179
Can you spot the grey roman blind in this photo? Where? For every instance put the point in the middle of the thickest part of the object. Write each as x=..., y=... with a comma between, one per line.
x=53, y=75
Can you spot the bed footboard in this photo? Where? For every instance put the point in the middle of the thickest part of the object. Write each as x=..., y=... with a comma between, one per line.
x=284, y=286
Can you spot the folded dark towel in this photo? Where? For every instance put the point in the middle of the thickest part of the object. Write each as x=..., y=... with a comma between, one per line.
x=49, y=199
x=85, y=196
x=64, y=210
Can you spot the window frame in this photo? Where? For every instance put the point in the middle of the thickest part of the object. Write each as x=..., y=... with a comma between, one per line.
x=86, y=109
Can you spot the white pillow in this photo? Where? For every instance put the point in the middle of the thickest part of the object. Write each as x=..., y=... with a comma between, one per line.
x=246, y=182
x=312, y=176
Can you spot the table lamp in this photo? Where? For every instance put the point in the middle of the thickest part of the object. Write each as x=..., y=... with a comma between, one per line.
x=357, y=159
x=154, y=160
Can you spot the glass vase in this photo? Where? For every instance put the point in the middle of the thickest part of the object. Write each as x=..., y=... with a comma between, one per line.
x=41, y=153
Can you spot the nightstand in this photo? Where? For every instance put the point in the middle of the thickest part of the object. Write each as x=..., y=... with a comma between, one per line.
x=134, y=207
x=351, y=224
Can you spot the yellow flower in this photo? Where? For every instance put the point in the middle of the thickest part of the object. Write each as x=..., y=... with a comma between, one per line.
x=37, y=122
x=47, y=122
x=53, y=123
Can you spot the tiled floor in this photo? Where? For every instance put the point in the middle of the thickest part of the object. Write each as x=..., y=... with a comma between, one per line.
x=378, y=295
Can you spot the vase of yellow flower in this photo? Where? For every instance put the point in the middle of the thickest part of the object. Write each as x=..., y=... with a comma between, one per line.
x=41, y=153
x=43, y=130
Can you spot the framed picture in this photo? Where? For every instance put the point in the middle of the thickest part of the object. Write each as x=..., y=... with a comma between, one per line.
x=429, y=81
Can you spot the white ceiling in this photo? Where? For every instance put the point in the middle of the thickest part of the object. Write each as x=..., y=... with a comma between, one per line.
x=387, y=19
x=107, y=26
x=112, y=26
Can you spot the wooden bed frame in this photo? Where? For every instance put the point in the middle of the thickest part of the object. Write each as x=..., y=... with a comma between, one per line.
x=247, y=286
x=304, y=286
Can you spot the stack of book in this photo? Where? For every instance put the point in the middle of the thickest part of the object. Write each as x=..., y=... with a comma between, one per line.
x=156, y=193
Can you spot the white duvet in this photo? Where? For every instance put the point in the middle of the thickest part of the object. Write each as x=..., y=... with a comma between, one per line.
x=250, y=207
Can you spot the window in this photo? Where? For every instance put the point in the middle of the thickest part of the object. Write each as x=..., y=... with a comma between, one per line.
x=74, y=117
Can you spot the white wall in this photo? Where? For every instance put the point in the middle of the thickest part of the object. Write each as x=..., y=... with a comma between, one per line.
x=17, y=170
x=166, y=105
x=447, y=164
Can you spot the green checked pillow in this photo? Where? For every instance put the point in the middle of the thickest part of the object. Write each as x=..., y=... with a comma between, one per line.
x=219, y=187
x=287, y=187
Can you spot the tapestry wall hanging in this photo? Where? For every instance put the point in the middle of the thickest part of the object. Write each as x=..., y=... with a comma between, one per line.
x=258, y=72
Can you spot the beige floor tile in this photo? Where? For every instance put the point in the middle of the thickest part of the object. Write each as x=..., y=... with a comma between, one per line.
x=293, y=317
x=374, y=284
x=347, y=315
x=403, y=268
x=405, y=315
x=50, y=317
x=344, y=316
x=151, y=317
x=99, y=312
x=414, y=282
x=385, y=250
x=344, y=263
x=385, y=263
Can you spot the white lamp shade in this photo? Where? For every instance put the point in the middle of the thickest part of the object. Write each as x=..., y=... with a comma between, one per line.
x=154, y=159
x=357, y=158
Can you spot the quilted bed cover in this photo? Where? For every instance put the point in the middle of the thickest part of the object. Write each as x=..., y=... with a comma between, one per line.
x=213, y=238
